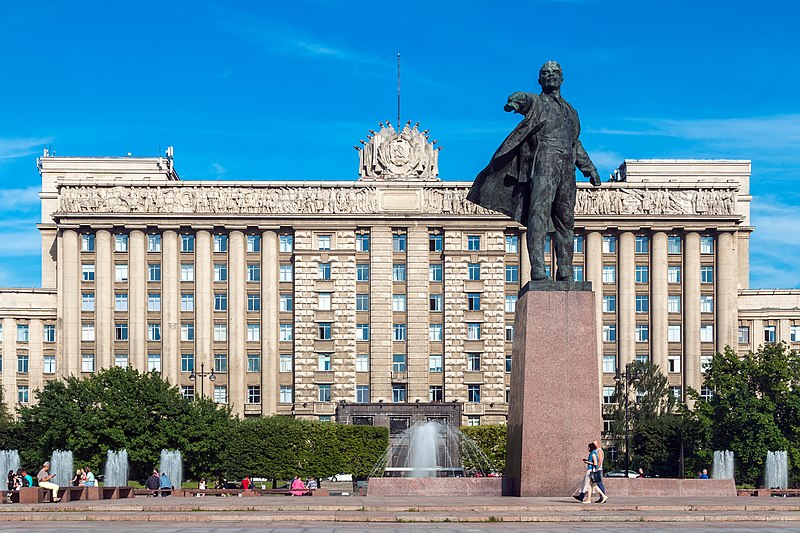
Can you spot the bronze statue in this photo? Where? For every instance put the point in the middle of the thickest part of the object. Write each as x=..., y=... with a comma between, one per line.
x=531, y=177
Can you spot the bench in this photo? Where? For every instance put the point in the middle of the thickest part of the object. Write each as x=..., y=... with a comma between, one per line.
x=131, y=492
x=288, y=492
x=71, y=494
x=220, y=492
x=33, y=495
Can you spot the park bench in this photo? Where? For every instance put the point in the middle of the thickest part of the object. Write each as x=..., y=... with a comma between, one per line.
x=220, y=492
x=147, y=492
x=32, y=495
x=71, y=494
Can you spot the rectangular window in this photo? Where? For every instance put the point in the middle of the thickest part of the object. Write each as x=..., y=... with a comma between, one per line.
x=399, y=362
x=324, y=271
x=435, y=272
x=707, y=333
x=187, y=391
x=794, y=334
x=609, y=303
x=254, y=362
x=609, y=244
x=706, y=393
x=435, y=303
x=87, y=362
x=435, y=363
x=674, y=333
x=744, y=334
x=121, y=301
x=49, y=333
x=362, y=362
x=435, y=333
x=287, y=303
x=547, y=244
x=608, y=395
x=253, y=272
x=287, y=394
x=220, y=332
x=474, y=393
x=676, y=392
x=674, y=364
x=187, y=331
x=399, y=303
x=706, y=244
x=642, y=333
x=220, y=243
x=362, y=332
x=362, y=393
x=87, y=270
x=609, y=332
x=399, y=272
x=362, y=242
x=642, y=274
x=642, y=303
x=87, y=301
x=674, y=244
x=187, y=302
x=609, y=274
x=473, y=301
x=87, y=331
x=362, y=272
x=362, y=302
x=121, y=272
x=286, y=243
x=474, y=362
x=253, y=332
x=705, y=362
x=512, y=244
x=121, y=360
x=22, y=363
x=399, y=242
x=87, y=242
x=707, y=304
x=49, y=364
x=474, y=272
x=221, y=301
x=674, y=274
x=153, y=242
x=577, y=272
x=399, y=332
x=23, y=394
x=287, y=363
x=187, y=243
x=577, y=244
x=473, y=331
x=398, y=392
x=286, y=273
x=187, y=271
x=324, y=301
x=121, y=331
x=220, y=362
x=154, y=331
x=153, y=272
x=473, y=243
x=609, y=364
x=511, y=304
x=512, y=274
x=253, y=394
x=642, y=245
x=187, y=362
x=707, y=274
x=509, y=332
x=509, y=361
x=286, y=333
x=324, y=331
x=770, y=333
x=120, y=243
x=220, y=272
x=435, y=242
x=220, y=394
x=674, y=303
x=323, y=242
x=253, y=243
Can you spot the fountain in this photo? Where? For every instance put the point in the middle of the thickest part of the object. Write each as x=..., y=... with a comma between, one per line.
x=116, y=474
x=434, y=458
x=9, y=460
x=61, y=467
x=776, y=473
x=723, y=465
x=172, y=464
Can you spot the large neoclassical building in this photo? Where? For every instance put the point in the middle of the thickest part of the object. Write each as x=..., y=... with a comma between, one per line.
x=299, y=298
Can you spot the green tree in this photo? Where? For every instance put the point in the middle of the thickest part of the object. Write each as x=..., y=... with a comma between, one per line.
x=491, y=440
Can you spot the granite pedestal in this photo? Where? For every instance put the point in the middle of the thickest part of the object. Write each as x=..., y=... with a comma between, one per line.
x=554, y=409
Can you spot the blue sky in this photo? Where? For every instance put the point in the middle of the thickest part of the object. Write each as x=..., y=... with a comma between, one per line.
x=261, y=90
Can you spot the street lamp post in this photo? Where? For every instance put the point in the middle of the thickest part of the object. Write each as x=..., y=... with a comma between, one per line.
x=628, y=377
x=202, y=374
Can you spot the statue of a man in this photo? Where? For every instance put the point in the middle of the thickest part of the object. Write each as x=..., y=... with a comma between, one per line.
x=531, y=177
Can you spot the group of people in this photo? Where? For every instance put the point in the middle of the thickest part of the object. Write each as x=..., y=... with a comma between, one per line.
x=84, y=477
x=22, y=478
x=159, y=484
x=593, y=478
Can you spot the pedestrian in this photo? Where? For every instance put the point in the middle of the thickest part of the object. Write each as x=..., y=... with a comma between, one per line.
x=11, y=480
x=586, y=484
x=298, y=488
x=312, y=483
x=246, y=482
x=27, y=480
x=641, y=472
x=598, y=473
x=90, y=479
x=78, y=478
x=165, y=484
x=703, y=474
x=44, y=477
x=153, y=483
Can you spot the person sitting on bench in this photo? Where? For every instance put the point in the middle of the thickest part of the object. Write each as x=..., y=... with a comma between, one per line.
x=44, y=476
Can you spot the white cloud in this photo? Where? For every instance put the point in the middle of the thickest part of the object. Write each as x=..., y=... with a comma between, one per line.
x=19, y=199
x=774, y=247
x=606, y=160
x=12, y=148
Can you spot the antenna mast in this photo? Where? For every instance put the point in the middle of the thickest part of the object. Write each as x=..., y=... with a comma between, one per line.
x=398, y=91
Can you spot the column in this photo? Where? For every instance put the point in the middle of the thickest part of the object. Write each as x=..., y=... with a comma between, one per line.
x=237, y=309
x=381, y=314
x=35, y=356
x=104, y=300
x=658, y=301
x=203, y=302
x=524, y=260
x=626, y=281
x=70, y=292
x=417, y=313
x=137, y=300
x=8, y=379
x=170, y=307
x=727, y=293
x=270, y=306
x=594, y=274
x=49, y=257
x=691, y=311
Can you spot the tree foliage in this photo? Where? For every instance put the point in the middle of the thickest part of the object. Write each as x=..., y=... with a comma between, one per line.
x=492, y=442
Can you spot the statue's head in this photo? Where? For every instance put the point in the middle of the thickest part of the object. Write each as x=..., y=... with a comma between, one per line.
x=550, y=76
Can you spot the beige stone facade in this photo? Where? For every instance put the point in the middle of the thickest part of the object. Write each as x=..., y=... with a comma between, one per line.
x=301, y=295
